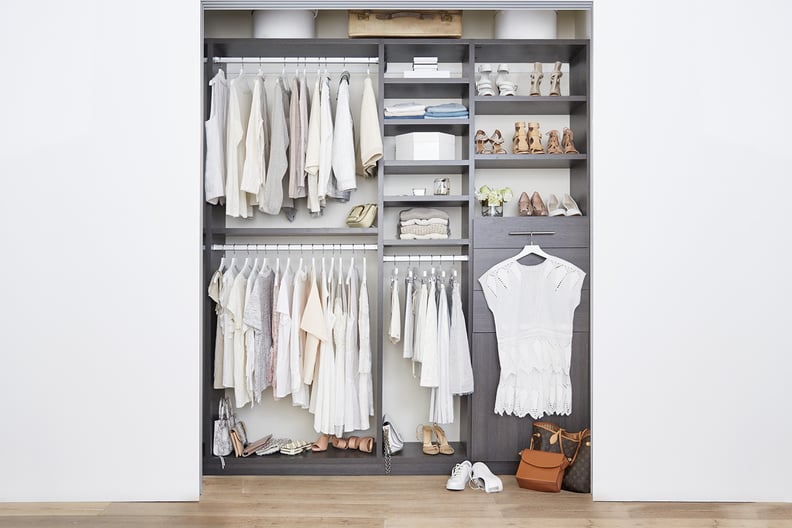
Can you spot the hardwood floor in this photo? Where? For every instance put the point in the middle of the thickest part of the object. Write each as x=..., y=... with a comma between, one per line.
x=388, y=502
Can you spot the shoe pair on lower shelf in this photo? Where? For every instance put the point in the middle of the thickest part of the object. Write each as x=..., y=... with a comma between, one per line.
x=425, y=433
x=535, y=206
x=477, y=476
x=364, y=444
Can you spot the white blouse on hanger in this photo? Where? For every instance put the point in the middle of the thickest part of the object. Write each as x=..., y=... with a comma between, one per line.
x=299, y=390
x=460, y=369
x=343, y=160
x=409, y=318
x=278, y=160
x=370, y=138
x=239, y=102
x=441, y=406
x=282, y=364
x=351, y=401
x=236, y=307
x=430, y=360
x=255, y=145
x=394, y=327
x=312, y=150
x=215, y=291
x=215, y=169
x=365, y=384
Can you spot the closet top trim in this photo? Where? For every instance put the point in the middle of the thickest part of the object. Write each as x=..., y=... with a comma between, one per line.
x=468, y=5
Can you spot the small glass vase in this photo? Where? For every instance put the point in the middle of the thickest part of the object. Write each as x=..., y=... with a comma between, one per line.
x=491, y=210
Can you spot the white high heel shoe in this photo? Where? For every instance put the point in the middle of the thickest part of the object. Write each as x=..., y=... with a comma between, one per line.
x=482, y=478
x=484, y=83
x=505, y=86
x=571, y=206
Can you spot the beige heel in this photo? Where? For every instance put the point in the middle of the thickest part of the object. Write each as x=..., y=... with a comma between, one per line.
x=535, y=139
x=520, y=139
x=555, y=80
x=567, y=141
x=553, y=143
x=429, y=448
x=445, y=448
x=536, y=78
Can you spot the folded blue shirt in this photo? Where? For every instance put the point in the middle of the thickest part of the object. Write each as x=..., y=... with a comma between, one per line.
x=446, y=108
x=443, y=115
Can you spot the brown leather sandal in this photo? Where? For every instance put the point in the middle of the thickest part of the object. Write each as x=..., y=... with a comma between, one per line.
x=339, y=442
x=535, y=139
x=366, y=444
x=497, y=142
x=520, y=139
x=320, y=444
x=568, y=143
x=553, y=143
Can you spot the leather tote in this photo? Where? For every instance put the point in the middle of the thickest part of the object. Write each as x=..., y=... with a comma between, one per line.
x=541, y=470
x=362, y=215
x=576, y=447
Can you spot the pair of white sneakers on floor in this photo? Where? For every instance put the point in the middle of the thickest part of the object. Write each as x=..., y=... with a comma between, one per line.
x=478, y=475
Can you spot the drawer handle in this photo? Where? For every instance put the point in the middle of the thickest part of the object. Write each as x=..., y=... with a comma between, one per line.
x=531, y=233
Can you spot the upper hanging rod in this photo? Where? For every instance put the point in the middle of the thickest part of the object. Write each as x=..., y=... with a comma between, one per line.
x=298, y=60
x=294, y=247
x=425, y=258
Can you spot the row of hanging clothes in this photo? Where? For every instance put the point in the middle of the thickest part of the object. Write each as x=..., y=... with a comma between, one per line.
x=270, y=156
x=434, y=336
x=303, y=330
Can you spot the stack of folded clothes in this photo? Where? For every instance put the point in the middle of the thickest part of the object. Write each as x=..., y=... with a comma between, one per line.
x=423, y=223
x=446, y=111
x=405, y=111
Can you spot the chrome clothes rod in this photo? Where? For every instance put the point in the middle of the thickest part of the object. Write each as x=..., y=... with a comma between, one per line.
x=297, y=60
x=425, y=258
x=294, y=247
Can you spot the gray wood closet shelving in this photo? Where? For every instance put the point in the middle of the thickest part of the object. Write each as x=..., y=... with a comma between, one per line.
x=484, y=436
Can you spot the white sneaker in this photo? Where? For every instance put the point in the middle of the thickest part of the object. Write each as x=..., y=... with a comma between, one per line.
x=460, y=476
x=482, y=478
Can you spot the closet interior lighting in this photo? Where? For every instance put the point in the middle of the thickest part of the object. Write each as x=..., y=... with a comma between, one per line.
x=296, y=60
x=294, y=247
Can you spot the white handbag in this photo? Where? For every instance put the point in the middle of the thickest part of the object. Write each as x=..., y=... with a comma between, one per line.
x=221, y=443
x=391, y=437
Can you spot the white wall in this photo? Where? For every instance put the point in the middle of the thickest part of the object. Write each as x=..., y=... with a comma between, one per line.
x=100, y=227
x=691, y=283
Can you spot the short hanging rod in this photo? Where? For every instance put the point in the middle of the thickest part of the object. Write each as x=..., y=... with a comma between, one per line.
x=294, y=247
x=425, y=258
x=297, y=60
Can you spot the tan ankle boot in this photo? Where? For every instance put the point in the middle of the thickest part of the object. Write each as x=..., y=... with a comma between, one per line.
x=520, y=139
x=535, y=139
x=553, y=143
x=568, y=142
x=555, y=80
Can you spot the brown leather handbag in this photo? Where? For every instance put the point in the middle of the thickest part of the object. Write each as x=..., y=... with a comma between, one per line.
x=576, y=447
x=540, y=470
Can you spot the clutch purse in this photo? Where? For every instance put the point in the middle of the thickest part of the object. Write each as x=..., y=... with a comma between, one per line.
x=362, y=215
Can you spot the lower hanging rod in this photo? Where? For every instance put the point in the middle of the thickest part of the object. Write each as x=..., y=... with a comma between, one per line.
x=297, y=60
x=425, y=258
x=294, y=247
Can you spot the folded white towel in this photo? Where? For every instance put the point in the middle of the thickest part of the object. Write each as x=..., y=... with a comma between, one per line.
x=433, y=236
x=424, y=221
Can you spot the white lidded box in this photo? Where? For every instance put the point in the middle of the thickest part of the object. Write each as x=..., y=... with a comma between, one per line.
x=425, y=146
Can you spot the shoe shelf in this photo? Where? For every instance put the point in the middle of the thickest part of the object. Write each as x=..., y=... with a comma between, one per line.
x=526, y=104
x=427, y=88
x=426, y=166
x=529, y=161
x=439, y=201
x=451, y=242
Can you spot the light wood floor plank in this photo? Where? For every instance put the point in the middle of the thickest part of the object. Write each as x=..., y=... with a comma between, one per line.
x=388, y=502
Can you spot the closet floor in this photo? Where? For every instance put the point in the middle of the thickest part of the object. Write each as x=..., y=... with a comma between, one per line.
x=388, y=502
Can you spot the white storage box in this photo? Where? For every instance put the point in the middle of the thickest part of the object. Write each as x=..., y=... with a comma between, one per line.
x=284, y=23
x=425, y=146
x=525, y=24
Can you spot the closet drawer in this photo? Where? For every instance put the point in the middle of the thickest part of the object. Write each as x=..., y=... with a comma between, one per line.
x=485, y=259
x=484, y=322
x=569, y=231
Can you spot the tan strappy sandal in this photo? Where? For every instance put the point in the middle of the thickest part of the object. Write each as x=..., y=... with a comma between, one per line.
x=429, y=447
x=567, y=141
x=444, y=448
x=553, y=143
x=520, y=139
x=536, y=78
x=535, y=139
x=497, y=142
x=482, y=140
x=555, y=80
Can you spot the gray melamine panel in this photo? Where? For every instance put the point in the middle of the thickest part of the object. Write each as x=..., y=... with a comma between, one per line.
x=486, y=258
x=498, y=438
x=482, y=320
x=568, y=231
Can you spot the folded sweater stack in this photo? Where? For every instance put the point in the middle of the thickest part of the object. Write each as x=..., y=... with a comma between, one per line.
x=405, y=111
x=446, y=111
x=423, y=223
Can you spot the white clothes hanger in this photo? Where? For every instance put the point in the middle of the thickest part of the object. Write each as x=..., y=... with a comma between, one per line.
x=263, y=266
x=299, y=265
x=349, y=273
x=222, y=263
x=530, y=249
x=340, y=270
x=231, y=264
x=364, y=270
